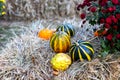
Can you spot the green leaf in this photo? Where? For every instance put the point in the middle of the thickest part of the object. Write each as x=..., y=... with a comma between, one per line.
x=117, y=9
x=95, y=4
x=104, y=54
x=92, y=22
x=103, y=44
x=109, y=3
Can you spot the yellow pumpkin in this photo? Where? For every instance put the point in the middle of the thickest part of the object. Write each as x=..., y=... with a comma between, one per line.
x=45, y=33
x=60, y=61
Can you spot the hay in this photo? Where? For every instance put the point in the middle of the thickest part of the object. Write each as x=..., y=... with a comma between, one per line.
x=36, y=9
x=26, y=57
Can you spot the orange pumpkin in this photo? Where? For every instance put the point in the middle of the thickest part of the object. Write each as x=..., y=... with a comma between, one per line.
x=104, y=32
x=96, y=33
x=45, y=33
x=100, y=32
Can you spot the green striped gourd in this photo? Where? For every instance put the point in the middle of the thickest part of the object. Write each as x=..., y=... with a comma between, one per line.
x=60, y=42
x=68, y=28
x=81, y=50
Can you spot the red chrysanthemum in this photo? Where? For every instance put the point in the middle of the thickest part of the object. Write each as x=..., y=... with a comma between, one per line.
x=107, y=26
x=93, y=9
x=111, y=9
x=102, y=20
x=118, y=16
x=118, y=36
x=115, y=20
x=104, y=10
x=115, y=2
x=115, y=27
x=102, y=2
x=109, y=20
x=82, y=16
x=109, y=37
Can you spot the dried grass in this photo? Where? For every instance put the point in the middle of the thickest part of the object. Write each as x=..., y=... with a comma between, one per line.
x=27, y=57
x=35, y=9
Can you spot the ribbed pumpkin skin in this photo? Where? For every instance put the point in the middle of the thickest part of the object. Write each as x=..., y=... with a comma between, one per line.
x=68, y=28
x=60, y=42
x=81, y=50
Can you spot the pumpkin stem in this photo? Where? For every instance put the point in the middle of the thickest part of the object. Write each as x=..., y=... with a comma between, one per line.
x=76, y=42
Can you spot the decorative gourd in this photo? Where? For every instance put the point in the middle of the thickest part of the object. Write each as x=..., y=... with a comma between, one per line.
x=60, y=42
x=68, y=28
x=45, y=33
x=60, y=61
x=81, y=50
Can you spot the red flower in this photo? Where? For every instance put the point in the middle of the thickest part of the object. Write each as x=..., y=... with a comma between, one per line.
x=102, y=20
x=115, y=2
x=118, y=36
x=115, y=27
x=102, y=2
x=82, y=16
x=115, y=20
x=118, y=16
x=93, y=9
x=103, y=11
x=88, y=4
x=84, y=21
x=114, y=8
x=111, y=9
x=109, y=37
x=86, y=1
x=108, y=20
x=80, y=6
x=107, y=26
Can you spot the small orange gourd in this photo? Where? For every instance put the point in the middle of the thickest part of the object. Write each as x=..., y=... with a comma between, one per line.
x=45, y=33
x=104, y=32
x=96, y=33
x=100, y=32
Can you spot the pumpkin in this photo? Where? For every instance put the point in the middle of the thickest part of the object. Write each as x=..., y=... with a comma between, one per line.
x=100, y=32
x=81, y=50
x=60, y=42
x=96, y=33
x=68, y=28
x=45, y=33
x=60, y=61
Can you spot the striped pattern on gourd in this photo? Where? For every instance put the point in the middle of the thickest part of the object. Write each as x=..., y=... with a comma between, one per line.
x=68, y=28
x=81, y=50
x=60, y=42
